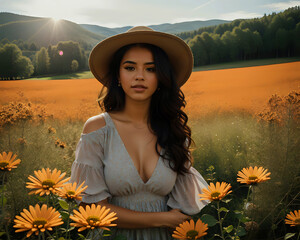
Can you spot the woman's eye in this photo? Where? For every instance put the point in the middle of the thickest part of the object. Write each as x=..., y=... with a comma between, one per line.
x=129, y=68
x=151, y=69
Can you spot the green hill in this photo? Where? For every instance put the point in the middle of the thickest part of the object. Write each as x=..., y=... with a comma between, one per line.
x=6, y=17
x=45, y=31
x=166, y=27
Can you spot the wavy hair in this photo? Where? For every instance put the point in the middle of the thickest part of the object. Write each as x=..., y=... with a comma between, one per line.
x=166, y=117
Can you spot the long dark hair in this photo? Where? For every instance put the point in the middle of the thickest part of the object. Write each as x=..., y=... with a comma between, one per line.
x=167, y=120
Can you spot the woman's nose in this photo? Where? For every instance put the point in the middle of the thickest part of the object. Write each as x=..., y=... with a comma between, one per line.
x=139, y=74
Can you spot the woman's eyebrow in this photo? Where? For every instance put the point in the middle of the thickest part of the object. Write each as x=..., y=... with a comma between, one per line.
x=131, y=62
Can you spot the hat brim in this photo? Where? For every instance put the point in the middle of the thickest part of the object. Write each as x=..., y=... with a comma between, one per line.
x=178, y=51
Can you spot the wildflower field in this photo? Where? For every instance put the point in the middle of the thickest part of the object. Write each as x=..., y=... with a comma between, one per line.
x=245, y=124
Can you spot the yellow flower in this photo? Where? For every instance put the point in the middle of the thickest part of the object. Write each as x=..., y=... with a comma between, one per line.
x=51, y=130
x=188, y=230
x=47, y=181
x=69, y=191
x=37, y=219
x=215, y=193
x=293, y=218
x=253, y=175
x=7, y=162
x=93, y=217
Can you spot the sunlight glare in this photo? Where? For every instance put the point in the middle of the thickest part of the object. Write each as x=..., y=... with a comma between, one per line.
x=55, y=20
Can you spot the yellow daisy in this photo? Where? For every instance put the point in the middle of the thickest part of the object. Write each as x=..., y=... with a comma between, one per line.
x=215, y=193
x=37, y=220
x=46, y=181
x=293, y=218
x=188, y=230
x=253, y=175
x=7, y=162
x=93, y=217
x=69, y=191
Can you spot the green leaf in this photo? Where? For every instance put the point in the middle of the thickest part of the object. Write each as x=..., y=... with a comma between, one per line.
x=209, y=220
x=226, y=201
x=245, y=219
x=238, y=214
x=64, y=205
x=241, y=231
x=81, y=237
x=289, y=235
x=2, y=233
x=61, y=238
x=70, y=229
x=228, y=229
x=106, y=233
x=223, y=209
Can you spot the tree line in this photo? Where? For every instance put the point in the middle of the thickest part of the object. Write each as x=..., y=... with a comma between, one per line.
x=272, y=36
x=65, y=57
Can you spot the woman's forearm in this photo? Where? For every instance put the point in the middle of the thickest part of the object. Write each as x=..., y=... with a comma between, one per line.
x=134, y=219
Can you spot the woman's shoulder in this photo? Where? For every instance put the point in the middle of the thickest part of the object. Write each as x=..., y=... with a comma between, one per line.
x=94, y=123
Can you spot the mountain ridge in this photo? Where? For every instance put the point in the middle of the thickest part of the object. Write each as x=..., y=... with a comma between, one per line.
x=45, y=31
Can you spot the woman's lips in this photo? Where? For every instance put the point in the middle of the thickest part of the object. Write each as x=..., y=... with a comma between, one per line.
x=139, y=88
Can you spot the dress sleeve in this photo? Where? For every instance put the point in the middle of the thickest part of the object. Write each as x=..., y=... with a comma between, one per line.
x=88, y=167
x=184, y=195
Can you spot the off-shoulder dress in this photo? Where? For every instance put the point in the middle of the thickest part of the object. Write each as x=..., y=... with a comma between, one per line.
x=102, y=161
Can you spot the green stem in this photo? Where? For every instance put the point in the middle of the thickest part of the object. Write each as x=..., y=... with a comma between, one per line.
x=7, y=232
x=298, y=236
x=244, y=208
x=68, y=236
x=220, y=220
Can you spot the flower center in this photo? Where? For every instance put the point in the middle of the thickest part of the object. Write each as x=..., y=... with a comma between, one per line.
x=192, y=234
x=215, y=194
x=39, y=221
x=48, y=183
x=70, y=192
x=297, y=221
x=4, y=164
x=92, y=219
x=252, y=177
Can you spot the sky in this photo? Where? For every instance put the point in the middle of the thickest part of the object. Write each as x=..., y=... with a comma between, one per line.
x=120, y=13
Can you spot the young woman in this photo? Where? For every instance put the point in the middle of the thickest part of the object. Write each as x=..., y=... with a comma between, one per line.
x=135, y=156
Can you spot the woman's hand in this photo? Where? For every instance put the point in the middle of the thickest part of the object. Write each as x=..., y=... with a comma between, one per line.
x=174, y=217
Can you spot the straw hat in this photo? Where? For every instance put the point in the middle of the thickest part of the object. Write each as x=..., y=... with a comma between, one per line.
x=179, y=53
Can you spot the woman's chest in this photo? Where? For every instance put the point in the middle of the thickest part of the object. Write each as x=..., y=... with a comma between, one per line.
x=122, y=176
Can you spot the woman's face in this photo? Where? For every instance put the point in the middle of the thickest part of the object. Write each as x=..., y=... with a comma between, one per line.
x=137, y=74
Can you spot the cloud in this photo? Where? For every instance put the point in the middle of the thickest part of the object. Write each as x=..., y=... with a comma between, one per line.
x=281, y=5
x=239, y=15
x=203, y=5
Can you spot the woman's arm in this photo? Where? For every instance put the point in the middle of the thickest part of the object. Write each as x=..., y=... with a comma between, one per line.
x=134, y=219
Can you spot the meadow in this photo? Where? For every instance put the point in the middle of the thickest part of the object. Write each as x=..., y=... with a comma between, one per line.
x=239, y=117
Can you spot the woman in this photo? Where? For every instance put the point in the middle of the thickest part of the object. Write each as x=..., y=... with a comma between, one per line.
x=135, y=156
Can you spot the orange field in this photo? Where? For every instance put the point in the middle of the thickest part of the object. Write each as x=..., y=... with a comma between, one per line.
x=231, y=89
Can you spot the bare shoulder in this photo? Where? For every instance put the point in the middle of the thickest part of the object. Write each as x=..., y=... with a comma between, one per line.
x=94, y=123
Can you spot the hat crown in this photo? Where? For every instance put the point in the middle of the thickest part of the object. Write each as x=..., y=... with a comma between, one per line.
x=140, y=28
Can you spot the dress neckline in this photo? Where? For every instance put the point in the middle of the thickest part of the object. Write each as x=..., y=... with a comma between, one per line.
x=112, y=124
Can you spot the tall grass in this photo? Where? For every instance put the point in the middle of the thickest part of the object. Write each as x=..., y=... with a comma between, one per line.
x=228, y=141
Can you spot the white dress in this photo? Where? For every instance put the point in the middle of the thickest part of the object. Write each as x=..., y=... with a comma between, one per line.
x=102, y=161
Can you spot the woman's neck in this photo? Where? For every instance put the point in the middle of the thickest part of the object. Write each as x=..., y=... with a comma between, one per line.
x=136, y=112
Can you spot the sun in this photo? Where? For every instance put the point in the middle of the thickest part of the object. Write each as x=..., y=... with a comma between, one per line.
x=55, y=20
